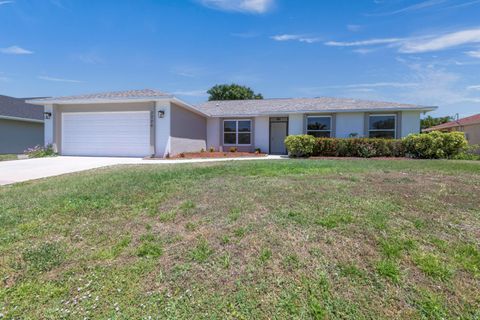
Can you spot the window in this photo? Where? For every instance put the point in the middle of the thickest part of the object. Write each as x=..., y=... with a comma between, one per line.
x=382, y=126
x=237, y=132
x=320, y=127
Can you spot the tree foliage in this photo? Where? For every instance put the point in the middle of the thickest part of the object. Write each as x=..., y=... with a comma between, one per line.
x=430, y=121
x=232, y=92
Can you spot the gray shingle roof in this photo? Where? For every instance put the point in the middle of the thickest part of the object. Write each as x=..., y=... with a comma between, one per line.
x=300, y=105
x=114, y=95
x=17, y=108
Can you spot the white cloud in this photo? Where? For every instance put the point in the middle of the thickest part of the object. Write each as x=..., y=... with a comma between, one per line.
x=246, y=6
x=441, y=42
x=47, y=78
x=88, y=58
x=5, y=2
x=473, y=54
x=369, y=42
x=475, y=87
x=294, y=37
x=414, y=7
x=15, y=50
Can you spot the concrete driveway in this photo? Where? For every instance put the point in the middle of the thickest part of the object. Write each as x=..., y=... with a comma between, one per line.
x=30, y=169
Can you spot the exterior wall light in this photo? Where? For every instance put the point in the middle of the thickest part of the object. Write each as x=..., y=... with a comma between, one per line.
x=161, y=114
x=47, y=115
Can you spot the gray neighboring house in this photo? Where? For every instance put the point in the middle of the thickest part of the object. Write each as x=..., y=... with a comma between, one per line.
x=21, y=125
x=148, y=122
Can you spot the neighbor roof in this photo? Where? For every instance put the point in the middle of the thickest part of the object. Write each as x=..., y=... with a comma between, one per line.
x=17, y=108
x=457, y=123
x=301, y=105
x=107, y=96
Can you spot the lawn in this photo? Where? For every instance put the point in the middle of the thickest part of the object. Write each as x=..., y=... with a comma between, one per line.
x=6, y=157
x=306, y=239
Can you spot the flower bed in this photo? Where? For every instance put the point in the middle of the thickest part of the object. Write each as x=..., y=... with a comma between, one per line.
x=215, y=155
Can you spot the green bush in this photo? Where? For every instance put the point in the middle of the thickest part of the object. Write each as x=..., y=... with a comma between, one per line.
x=472, y=153
x=300, y=145
x=358, y=147
x=435, y=145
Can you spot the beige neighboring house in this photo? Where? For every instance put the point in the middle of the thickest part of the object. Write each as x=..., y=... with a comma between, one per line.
x=469, y=125
x=140, y=123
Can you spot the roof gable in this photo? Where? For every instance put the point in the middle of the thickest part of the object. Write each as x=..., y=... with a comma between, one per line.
x=18, y=108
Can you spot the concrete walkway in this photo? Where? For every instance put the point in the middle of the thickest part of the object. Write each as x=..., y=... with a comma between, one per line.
x=30, y=169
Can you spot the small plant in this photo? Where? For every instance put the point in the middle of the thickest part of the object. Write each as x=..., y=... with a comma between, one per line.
x=388, y=269
x=201, y=252
x=202, y=150
x=211, y=149
x=265, y=255
x=258, y=150
x=40, y=152
x=432, y=266
x=44, y=257
x=233, y=149
x=149, y=250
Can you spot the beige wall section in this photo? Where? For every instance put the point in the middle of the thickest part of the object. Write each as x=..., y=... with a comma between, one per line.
x=58, y=110
x=188, y=131
x=16, y=136
x=472, y=133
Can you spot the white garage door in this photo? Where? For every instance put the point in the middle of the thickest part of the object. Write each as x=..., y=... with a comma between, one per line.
x=123, y=134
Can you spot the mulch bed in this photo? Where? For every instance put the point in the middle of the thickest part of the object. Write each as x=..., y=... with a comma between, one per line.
x=215, y=155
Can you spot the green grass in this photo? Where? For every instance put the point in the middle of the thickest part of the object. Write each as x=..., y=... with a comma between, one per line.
x=7, y=157
x=294, y=239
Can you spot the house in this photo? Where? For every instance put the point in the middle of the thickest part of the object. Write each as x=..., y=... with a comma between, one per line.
x=469, y=125
x=148, y=122
x=21, y=125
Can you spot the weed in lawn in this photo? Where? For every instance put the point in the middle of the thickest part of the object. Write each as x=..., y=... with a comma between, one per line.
x=240, y=232
x=291, y=261
x=191, y=226
x=335, y=219
x=350, y=270
x=234, y=214
x=265, y=255
x=188, y=207
x=225, y=260
x=430, y=306
x=44, y=257
x=114, y=251
x=393, y=247
x=149, y=250
x=224, y=240
x=167, y=216
x=419, y=223
x=468, y=256
x=389, y=269
x=432, y=266
x=202, y=251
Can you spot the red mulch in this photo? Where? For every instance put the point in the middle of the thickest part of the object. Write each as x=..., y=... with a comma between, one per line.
x=210, y=155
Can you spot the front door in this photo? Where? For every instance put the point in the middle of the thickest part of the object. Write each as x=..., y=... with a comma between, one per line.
x=278, y=133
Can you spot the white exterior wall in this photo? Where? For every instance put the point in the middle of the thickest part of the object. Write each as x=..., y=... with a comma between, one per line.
x=162, y=129
x=213, y=133
x=295, y=124
x=410, y=122
x=261, y=133
x=349, y=122
x=48, y=126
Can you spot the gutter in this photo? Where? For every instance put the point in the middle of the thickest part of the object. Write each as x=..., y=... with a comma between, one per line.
x=21, y=119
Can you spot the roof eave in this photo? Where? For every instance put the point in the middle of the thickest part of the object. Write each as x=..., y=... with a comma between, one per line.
x=21, y=119
x=43, y=102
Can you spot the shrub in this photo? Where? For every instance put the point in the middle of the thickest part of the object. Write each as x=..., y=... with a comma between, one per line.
x=211, y=149
x=359, y=147
x=40, y=152
x=301, y=145
x=435, y=145
x=233, y=149
x=472, y=153
x=258, y=150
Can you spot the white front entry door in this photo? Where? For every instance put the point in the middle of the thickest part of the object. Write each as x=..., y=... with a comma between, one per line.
x=122, y=134
x=278, y=133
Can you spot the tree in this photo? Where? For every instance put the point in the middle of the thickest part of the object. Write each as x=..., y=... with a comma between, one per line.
x=430, y=121
x=232, y=92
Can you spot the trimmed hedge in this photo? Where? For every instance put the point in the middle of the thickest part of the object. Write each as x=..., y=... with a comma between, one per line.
x=431, y=145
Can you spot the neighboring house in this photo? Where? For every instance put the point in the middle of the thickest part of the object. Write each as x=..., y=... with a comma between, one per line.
x=21, y=125
x=469, y=125
x=148, y=122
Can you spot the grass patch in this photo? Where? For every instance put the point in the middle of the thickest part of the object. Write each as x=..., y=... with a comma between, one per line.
x=294, y=239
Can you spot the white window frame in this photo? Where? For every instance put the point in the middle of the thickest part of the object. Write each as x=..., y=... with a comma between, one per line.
x=383, y=115
x=236, y=132
x=319, y=116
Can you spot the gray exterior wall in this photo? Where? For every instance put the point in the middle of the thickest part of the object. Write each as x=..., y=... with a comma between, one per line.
x=188, y=131
x=16, y=136
x=58, y=110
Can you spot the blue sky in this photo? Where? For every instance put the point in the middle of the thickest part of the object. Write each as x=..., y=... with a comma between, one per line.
x=424, y=52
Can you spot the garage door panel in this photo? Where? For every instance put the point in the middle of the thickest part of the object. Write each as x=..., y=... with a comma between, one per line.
x=106, y=134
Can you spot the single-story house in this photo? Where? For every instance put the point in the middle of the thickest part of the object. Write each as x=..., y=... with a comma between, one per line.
x=469, y=125
x=21, y=125
x=148, y=122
